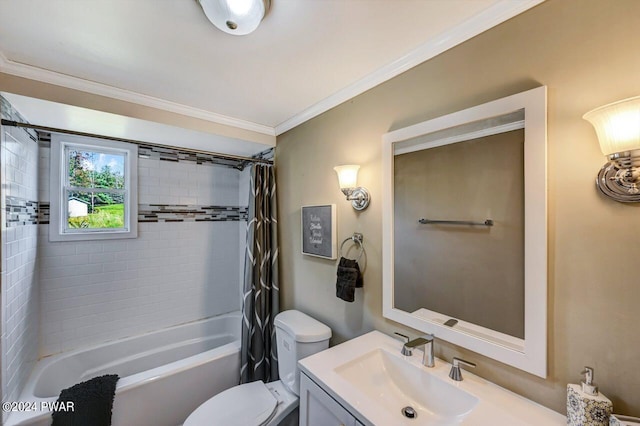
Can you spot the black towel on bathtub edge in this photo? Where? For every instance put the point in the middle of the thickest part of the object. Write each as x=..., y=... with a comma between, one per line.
x=92, y=403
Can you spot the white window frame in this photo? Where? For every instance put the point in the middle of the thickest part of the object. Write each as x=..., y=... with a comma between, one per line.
x=58, y=220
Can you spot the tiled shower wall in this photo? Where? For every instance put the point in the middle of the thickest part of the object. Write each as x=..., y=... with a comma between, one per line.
x=19, y=342
x=186, y=264
x=183, y=266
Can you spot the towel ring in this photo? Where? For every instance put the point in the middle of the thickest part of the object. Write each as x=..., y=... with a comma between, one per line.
x=356, y=238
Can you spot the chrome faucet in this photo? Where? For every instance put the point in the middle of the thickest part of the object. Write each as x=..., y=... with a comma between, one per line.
x=426, y=342
x=455, y=372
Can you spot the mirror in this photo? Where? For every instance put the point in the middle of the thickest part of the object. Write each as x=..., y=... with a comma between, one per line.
x=464, y=229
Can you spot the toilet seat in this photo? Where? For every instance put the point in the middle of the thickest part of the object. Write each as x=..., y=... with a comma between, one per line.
x=243, y=405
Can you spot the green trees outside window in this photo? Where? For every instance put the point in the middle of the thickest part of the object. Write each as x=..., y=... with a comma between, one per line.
x=95, y=189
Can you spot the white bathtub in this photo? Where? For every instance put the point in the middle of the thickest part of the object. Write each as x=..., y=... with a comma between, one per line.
x=164, y=375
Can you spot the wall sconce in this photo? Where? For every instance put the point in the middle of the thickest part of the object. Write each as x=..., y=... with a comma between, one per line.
x=618, y=128
x=348, y=178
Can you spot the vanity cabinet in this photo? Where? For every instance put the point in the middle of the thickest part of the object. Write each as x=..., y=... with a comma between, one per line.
x=318, y=408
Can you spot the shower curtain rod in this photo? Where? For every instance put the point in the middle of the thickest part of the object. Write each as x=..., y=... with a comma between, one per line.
x=111, y=138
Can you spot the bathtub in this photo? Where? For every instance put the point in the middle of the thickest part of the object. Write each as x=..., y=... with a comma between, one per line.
x=164, y=375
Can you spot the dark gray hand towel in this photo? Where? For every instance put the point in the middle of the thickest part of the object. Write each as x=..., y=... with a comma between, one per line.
x=92, y=403
x=349, y=278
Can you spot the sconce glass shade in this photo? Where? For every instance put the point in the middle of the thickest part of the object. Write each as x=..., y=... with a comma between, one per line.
x=237, y=17
x=617, y=125
x=348, y=180
x=618, y=128
x=347, y=175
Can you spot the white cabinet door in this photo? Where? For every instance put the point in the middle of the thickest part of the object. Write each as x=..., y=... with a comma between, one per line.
x=317, y=408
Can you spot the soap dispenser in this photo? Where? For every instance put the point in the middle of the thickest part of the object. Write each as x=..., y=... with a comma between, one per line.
x=585, y=405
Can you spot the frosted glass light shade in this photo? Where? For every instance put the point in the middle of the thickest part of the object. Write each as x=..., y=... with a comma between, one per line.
x=237, y=17
x=347, y=175
x=617, y=125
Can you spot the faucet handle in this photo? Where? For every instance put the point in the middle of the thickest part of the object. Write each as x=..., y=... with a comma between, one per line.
x=402, y=336
x=455, y=372
x=459, y=361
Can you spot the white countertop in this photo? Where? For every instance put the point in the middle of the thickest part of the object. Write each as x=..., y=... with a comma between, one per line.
x=496, y=407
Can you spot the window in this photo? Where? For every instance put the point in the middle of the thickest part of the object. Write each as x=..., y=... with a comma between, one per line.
x=93, y=189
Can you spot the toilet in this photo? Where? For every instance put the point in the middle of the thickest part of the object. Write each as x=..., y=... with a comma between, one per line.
x=266, y=404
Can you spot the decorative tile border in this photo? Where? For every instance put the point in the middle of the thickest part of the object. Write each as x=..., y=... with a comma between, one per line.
x=43, y=212
x=21, y=212
x=189, y=213
x=176, y=155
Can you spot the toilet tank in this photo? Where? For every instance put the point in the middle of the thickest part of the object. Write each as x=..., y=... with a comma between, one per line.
x=298, y=336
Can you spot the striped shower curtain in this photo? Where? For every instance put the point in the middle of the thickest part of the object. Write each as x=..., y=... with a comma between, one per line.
x=260, y=302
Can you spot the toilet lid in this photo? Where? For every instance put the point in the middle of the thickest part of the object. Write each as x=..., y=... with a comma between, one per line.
x=247, y=404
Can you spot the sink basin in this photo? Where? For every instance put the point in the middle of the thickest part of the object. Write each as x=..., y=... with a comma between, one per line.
x=394, y=383
x=373, y=382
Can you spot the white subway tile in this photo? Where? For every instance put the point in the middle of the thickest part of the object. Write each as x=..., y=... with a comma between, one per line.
x=88, y=247
x=154, y=190
x=147, y=180
x=114, y=246
x=144, y=197
x=72, y=271
x=57, y=249
x=19, y=290
x=102, y=257
x=156, y=172
x=91, y=291
x=115, y=266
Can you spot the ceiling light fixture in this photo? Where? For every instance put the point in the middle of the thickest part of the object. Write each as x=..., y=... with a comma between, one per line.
x=237, y=17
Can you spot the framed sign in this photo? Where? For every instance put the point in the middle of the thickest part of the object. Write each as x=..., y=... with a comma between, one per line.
x=319, y=231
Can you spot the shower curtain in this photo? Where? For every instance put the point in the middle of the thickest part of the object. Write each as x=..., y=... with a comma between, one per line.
x=260, y=302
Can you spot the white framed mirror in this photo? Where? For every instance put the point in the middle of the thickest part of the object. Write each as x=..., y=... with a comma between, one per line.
x=465, y=229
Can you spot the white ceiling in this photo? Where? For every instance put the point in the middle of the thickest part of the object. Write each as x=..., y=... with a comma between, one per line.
x=306, y=57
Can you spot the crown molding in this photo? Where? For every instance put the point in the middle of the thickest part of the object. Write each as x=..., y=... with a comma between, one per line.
x=490, y=17
x=8, y=66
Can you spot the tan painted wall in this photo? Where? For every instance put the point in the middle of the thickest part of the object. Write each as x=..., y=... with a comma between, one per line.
x=587, y=53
